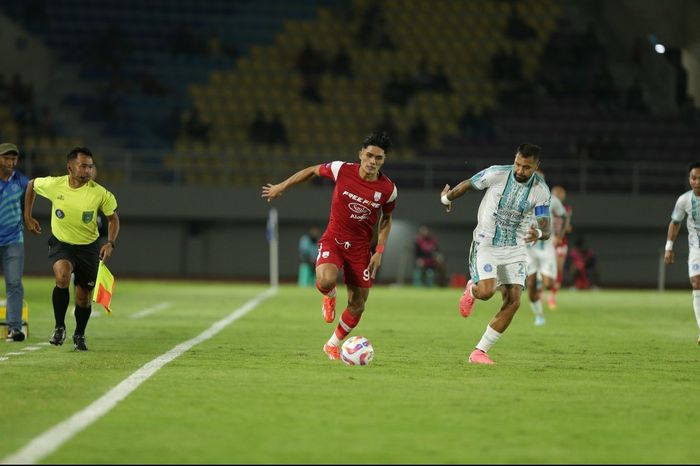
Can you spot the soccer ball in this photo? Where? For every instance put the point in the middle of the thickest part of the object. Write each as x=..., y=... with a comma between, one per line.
x=356, y=351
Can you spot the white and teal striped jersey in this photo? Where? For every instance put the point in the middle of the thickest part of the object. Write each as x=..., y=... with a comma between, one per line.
x=689, y=204
x=507, y=206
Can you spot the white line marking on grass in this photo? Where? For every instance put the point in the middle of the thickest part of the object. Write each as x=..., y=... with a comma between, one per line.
x=32, y=348
x=14, y=353
x=150, y=310
x=51, y=440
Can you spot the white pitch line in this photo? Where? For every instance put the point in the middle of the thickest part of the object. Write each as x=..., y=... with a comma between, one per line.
x=51, y=440
x=32, y=348
x=150, y=310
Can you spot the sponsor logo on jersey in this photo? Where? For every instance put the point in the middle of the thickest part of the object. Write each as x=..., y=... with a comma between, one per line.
x=361, y=200
x=87, y=216
x=488, y=268
x=59, y=213
x=377, y=196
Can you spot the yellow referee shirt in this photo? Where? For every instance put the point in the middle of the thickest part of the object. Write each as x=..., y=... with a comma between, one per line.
x=74, y=211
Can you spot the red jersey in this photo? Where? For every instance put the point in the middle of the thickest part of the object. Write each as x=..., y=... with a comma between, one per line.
x=559, y=221
x=356, y=202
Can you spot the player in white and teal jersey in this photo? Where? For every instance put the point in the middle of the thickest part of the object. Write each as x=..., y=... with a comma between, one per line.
x=497, y=257
x=688, y=205
x=542, y=261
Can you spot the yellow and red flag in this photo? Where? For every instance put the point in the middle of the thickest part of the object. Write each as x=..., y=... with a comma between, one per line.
x=104, y=287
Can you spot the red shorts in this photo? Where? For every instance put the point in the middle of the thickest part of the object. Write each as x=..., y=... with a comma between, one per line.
x=352, y=258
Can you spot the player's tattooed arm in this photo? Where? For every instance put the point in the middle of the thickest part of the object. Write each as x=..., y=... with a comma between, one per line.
x=541, y=232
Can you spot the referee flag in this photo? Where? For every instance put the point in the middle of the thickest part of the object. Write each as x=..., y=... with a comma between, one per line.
x=104, y=287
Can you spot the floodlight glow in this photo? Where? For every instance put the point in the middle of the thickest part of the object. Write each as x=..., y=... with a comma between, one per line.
x=659, y=48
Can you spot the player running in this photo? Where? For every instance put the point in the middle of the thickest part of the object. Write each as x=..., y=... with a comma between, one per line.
x=497, y=257
x=363, y=196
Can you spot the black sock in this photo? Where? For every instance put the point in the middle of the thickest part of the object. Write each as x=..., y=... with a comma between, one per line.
x=82, y=315
x=60, y=299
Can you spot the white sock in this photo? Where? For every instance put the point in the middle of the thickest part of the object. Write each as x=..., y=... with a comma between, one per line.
x=332, y=293
x=696, y=305
x=333, y=340
x=488, y=339
x=536, y=307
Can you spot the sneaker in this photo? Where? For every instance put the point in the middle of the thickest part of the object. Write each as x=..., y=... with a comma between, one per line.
x=332, y=351
x=79, y=343
x=539, y=321
x=466, y=302
x=15, y=335
x=552, y=301
x=59, y=336
x=479, y=357
x=328, y=309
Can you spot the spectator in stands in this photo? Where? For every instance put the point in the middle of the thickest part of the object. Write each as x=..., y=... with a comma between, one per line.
x=277, y=131
x=47, y=126
x=388, y=126
x=634, y=98
x=195, y=127
x=310, y=62
x=257, y=132
x=151, y=85
x=604, y=90
x=582, y=266
x=310, y=90
x=439, y=81
x=430, y=262
x=373, y=31
x=478, y=124
x=340, y=63
x=690, y=113
x=398, y=90
x=517, y=28
x=418, y=134
x=4, y=91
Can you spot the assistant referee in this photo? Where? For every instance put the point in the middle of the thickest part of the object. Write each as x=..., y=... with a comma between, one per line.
x=74, y=243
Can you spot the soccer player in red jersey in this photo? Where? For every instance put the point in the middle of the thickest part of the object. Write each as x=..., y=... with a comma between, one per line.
x=562, y=247
x=363, y=196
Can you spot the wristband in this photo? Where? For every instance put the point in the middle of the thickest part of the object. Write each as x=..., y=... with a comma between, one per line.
x=379, y=248
x=444, y=200
x=669, y=246
x=539, y=233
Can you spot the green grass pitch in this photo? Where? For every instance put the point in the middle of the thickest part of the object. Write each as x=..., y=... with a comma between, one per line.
x=612, y=377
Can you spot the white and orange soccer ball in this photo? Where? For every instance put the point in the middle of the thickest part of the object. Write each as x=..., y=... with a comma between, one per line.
x=357, y=351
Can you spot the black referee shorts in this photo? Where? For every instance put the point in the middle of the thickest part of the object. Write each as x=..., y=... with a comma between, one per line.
x=84, y=257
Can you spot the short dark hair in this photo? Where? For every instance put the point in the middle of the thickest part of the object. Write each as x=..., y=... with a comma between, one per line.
x=378, y=139
x=73, y=154
x=529, y=150
x=693, y=165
